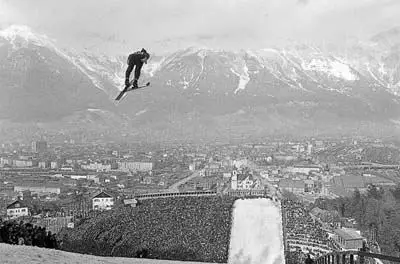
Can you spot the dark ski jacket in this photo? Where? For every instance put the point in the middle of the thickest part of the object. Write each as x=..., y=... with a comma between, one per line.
x=136, y=58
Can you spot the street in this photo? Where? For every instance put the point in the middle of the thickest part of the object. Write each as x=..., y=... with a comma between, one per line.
x=174, y=187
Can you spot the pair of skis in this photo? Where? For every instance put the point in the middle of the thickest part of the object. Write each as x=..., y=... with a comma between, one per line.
x=128, y=89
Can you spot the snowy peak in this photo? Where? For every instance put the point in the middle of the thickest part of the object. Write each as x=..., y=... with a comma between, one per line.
x=20, y=35
x=300, y=67
x=332, y=67
x=202, y=89
x=204, y=70
x=104, y=72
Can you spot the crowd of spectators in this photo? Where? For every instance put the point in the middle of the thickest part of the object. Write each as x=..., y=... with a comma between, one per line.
x=303, y=231
x=176, y=228
x=20, y=233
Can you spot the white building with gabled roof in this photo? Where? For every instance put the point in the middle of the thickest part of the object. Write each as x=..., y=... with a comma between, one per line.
x=102, y=201
x=17, y=209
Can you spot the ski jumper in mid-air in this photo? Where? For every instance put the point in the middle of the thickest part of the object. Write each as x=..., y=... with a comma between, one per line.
x=136, y=60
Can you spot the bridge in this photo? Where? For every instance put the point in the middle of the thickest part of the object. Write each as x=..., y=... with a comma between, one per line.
x=373, y=166
x=236, y=193
x=173, y=194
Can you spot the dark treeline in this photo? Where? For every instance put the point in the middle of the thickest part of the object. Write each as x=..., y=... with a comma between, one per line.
x=376, y=211
x=20, y=233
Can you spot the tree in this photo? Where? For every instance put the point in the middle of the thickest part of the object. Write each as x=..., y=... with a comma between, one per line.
x=377, y=210
x=396, y=192
x=373, y=192
x=289, y=196
x=389, y=202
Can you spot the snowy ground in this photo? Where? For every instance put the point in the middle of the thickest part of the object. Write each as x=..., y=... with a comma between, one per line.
x=11, y=254
x=256, y=236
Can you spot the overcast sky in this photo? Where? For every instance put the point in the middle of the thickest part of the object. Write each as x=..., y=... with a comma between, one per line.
x=115, y=25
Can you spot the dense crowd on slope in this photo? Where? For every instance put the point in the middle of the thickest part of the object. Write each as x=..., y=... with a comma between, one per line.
x=300, y=226
x=20, y=233
x=180, y=228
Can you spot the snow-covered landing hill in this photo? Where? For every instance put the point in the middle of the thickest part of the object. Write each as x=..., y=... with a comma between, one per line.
x=12, y=254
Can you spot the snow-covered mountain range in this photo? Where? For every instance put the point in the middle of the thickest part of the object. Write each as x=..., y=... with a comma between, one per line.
x=200, y=92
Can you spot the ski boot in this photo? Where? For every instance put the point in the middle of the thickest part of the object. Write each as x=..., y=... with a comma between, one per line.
x=134, y=84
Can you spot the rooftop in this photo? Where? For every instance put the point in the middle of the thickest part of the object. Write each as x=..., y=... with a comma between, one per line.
x=289, y=183
x=16, y=204
x=102, y=194
x=350, y=181
x=348, y=234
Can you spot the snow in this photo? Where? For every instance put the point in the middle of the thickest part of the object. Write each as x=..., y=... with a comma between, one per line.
x=185, y=83
x=252, y=54
x=297, y=66
x=270, y=50
x=152, y=67
x=390, y=84
x=256, y=236
x=202, y=56
x=141, y=112
x=374, y=76
x=334, y=67
x=201, y=51
x=87, y=67
x=342, y=70
x=244, y=78
x=13, y=254
x=290, y=75
x=382, y=70
x=83, y=70
x=96, y=110
x=20, y=31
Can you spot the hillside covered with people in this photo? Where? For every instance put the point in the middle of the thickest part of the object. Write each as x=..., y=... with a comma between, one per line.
x=179, y=228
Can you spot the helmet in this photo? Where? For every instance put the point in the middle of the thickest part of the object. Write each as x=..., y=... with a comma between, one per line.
x=145, y=53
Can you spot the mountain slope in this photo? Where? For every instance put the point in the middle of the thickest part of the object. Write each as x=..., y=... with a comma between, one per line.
x=39, y=82
x=200, y=92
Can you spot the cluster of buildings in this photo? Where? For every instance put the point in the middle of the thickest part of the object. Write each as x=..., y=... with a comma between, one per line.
x=53, y=173
x=29, y=161
x=242, y=179
x=20, y=208
x=316, y=180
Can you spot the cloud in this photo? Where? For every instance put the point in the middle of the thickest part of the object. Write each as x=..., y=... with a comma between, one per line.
x=240, y=23
x=302, y=2
x=205, y=36
x=8, y=14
